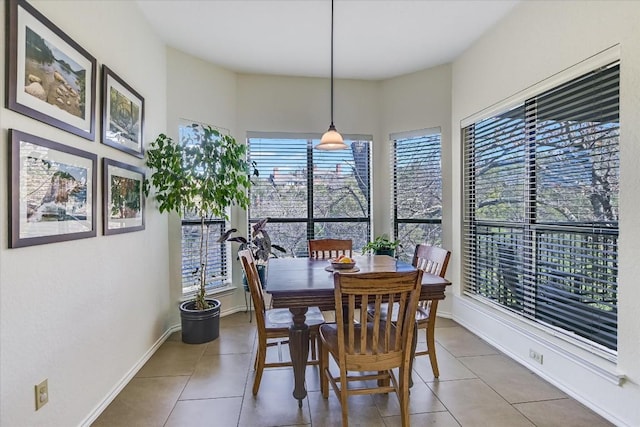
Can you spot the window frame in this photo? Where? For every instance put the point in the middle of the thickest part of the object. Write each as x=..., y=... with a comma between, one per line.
x=532, y=228
x=310, y=221
x=396, y=221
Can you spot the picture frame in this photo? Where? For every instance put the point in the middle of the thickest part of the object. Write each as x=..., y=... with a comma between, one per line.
x=122, y=114
x=52, y=191
x=50, y=77
x=122, y=197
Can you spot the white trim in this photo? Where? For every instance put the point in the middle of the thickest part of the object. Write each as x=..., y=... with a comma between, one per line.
x=415, y=133
x=600, y=59
x=606, y=369
x=120, y=385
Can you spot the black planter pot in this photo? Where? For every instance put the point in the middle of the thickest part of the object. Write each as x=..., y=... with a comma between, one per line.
x=200, y=326
x=390, y=252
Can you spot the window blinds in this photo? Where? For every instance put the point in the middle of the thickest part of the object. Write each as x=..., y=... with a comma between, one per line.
x=541, y=208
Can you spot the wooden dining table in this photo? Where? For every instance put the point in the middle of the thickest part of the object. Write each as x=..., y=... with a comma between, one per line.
x=300, y=283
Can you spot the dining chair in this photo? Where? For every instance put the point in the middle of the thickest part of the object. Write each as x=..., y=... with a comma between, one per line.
x=434, y=260
x=330, y=248
x=370, y=348
x=274, y=323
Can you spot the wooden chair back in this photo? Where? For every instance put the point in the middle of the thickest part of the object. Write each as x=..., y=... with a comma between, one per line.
x=373, y=343
x=330, y=248
x=431, y=259
x=255, y=289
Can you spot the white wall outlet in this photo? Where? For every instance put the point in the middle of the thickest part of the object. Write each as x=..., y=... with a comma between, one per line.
x=535, y=356
x=42, y=394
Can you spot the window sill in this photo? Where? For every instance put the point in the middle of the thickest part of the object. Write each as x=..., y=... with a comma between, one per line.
x=221, y=291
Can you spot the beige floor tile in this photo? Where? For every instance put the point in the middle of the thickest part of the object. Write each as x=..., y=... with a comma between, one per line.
x=328, y=412
x=460, y=342
x=223, y=412
x=438, y=419
x=274, y=404
x=443, y=322
x=233, y=340
x=473, y=403
x=143, y=402
x=450, y=367
x=421, y=399
x=561, y=412
x=511, y=380
x=173, y=358
x=223, y=375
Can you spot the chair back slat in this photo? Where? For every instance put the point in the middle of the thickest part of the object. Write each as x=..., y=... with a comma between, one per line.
x=431, y=259
x=330, y=248
x=368, y=336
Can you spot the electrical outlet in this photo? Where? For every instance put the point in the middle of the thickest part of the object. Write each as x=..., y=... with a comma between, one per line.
x=42, y=394
x=535, y=356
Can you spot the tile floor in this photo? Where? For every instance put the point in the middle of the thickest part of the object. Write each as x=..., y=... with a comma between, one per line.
x=210, y=385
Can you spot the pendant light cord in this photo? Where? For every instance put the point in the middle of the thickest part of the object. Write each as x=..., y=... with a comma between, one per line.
x=332, y=126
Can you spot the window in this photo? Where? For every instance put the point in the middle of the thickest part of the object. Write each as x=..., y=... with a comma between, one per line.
x=541, y=208
x=310, y=194
x=216, y=254
x=417, y=190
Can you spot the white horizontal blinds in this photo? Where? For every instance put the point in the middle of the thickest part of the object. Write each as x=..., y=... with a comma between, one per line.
x=577, y=194
x=541, y=207
x=191, y=231
x=341, y=194
x=495, y=155
x=280, y=193
x=308, y=193
x=216, y=255
x=417, y=191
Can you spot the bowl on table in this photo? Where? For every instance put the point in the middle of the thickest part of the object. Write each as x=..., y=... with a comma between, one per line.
x=337, y=265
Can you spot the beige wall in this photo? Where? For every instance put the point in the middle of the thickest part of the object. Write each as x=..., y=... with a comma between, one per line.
x=536, y=41
x=84, y=313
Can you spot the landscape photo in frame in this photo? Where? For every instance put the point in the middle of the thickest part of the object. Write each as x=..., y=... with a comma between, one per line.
x=122, y=197
x=122, y=114
x=50, y=77
x=53, y=190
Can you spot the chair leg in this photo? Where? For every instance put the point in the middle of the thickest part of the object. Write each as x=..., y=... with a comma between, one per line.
x=344, y=398
x=324, y=365
x=260, y=360
x=431, y=342
x=404, y=402
x=314, y=344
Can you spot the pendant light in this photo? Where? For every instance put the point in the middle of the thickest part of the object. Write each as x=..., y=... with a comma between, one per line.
x=331, y=140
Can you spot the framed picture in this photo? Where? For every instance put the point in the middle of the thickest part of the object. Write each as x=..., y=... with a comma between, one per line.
x=122, y=114
x=49, y=76
x=52, y=193
x=122, y=197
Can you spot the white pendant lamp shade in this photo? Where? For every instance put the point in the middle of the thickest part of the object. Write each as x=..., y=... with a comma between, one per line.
x=331, y=140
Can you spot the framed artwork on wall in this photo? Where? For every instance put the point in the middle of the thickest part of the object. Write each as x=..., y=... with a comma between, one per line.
x=52, y=191
x=50, y=77
x=122, y=197
x=122, y=114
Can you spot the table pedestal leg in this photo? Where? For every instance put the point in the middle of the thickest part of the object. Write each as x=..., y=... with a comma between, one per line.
x=299, y=349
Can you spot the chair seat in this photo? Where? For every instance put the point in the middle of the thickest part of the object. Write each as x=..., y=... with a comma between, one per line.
x=422, y=314
x=329, y=334
x=281, y=318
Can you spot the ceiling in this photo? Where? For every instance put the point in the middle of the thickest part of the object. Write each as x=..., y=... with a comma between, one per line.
x=373, y=39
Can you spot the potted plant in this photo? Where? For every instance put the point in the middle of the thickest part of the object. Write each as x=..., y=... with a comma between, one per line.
x=203, y=174
x=381, y=245
x=260, y=246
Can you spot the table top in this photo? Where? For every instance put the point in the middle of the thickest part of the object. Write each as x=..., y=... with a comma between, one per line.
x=300, y=281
